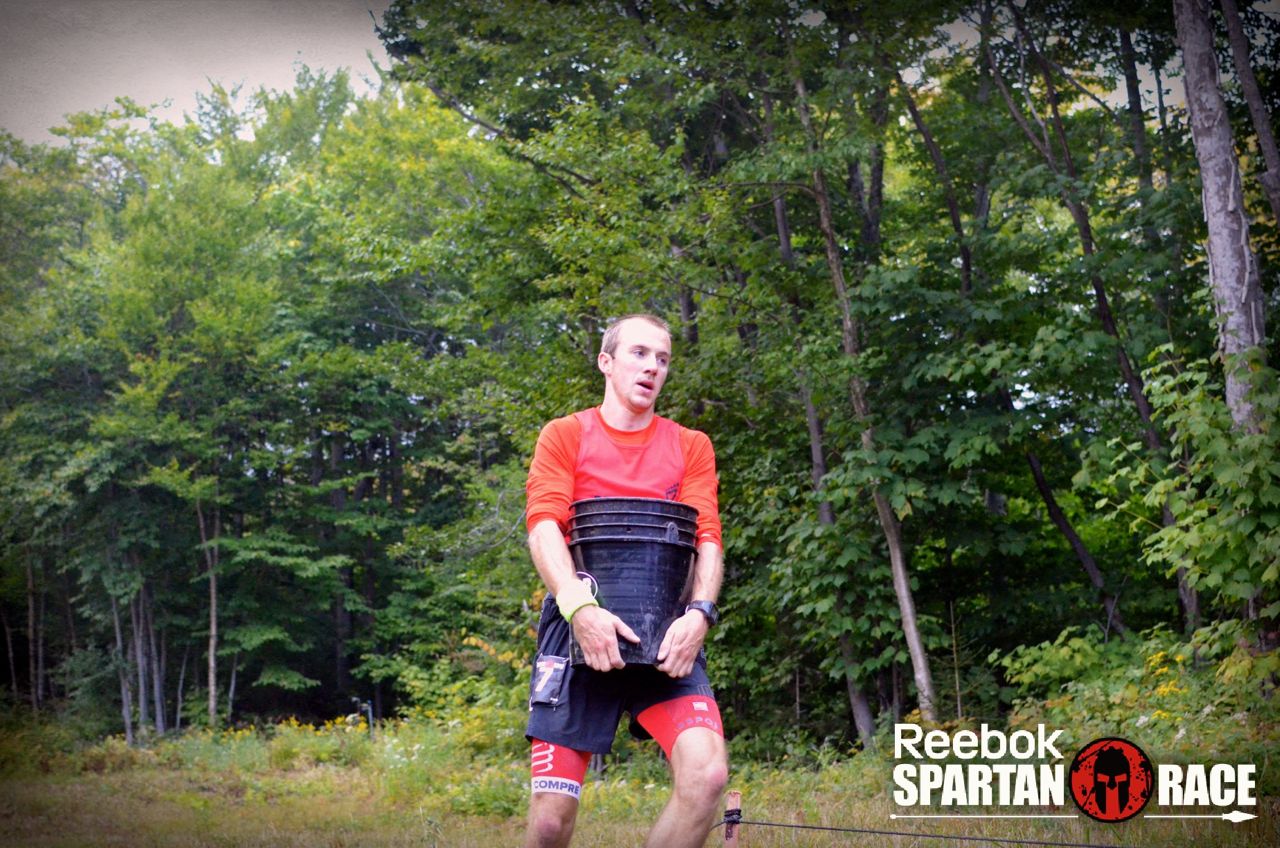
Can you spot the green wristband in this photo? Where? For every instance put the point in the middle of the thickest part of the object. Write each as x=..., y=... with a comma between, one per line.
x=569, y=614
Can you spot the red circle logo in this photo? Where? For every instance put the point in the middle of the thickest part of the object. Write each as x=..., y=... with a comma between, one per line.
x=1111, y=779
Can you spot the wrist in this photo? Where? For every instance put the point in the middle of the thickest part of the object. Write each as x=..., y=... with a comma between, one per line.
x=572, y=597
x=707, y=609
x=568, y=615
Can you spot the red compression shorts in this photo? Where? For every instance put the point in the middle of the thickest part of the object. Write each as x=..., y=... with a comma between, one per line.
x=558, y=769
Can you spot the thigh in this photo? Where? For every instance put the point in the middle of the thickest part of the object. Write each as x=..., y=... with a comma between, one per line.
x=556, y=770
x=669, y=721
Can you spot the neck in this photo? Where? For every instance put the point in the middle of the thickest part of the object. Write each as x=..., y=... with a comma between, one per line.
x=621, y=417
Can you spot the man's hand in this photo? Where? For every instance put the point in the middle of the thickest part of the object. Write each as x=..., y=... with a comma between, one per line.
x=597, y=631
x=680, y=646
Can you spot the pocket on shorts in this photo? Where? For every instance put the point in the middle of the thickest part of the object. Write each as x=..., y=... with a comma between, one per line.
x=550, y=674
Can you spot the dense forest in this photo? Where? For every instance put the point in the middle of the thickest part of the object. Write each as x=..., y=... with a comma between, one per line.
x=971, y=299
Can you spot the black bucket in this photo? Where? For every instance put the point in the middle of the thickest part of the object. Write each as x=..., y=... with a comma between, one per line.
x=687, y=525
x=638, y=553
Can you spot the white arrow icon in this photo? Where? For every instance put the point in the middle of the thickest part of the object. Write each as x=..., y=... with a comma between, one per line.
x=1235, y=816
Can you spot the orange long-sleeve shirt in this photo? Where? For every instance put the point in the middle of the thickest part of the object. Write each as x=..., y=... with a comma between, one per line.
x=551, y=473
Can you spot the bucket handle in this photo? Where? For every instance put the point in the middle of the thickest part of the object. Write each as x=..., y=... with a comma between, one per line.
x=673, y=534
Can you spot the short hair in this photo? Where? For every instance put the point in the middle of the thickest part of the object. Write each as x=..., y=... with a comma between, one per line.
x=609, y=344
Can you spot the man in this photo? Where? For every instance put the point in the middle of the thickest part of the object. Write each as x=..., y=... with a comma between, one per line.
x=622, y=448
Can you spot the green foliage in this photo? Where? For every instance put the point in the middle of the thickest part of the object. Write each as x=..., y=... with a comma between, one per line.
x=291, y=356
x=35, y=745
x=1221, y=483
x=1183, y=701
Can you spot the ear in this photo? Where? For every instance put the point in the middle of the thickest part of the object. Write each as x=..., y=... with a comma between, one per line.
x=605, y=363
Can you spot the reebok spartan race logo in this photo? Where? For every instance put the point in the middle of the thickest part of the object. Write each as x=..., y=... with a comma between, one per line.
x=1110, y=779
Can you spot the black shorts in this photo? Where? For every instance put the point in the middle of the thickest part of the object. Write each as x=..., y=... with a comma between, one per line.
x=579, y=707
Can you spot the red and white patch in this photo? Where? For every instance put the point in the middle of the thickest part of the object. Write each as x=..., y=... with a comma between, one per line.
x=557, y=769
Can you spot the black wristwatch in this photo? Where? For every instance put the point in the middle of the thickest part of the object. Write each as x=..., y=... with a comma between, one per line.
x=708, y=609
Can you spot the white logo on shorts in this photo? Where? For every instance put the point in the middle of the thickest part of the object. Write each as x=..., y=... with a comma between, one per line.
x=541, y=756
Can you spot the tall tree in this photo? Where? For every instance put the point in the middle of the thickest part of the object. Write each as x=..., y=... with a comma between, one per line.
x=1233, y=267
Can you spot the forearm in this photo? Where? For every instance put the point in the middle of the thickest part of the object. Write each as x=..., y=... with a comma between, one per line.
x=708, y=572
x=551, y=556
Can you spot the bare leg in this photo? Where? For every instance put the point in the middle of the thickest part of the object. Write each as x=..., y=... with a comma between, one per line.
x=700, y=769
x=551, y=820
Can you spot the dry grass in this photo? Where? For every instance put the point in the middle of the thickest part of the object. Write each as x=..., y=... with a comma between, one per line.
x=336, y=806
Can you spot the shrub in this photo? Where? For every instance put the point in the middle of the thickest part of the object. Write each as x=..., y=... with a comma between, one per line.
x=114, y=754
x=1180, y=701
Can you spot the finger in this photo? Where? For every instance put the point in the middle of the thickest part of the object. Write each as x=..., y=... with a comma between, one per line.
x=595, y=660
x=664, y=650
x=684, y=668
x=612, y=653
x=626, y=631
x=671, y=661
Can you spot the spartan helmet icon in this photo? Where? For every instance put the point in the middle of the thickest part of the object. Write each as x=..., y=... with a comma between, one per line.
x=1111, y=772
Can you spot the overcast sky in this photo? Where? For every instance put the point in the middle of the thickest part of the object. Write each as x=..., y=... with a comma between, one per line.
x=63, y=56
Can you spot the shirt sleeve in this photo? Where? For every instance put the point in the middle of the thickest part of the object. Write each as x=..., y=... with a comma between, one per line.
x=549, y=488
x=700, y=486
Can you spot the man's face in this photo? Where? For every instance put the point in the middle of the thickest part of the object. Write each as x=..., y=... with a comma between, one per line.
x=638, y=367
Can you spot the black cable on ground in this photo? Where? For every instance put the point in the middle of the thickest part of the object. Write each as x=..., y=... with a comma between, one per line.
x=735, y=817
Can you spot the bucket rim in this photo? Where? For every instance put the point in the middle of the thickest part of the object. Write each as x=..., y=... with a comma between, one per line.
x=668, y=522
x=638, y=519
x=679, y=505
x=631, y=540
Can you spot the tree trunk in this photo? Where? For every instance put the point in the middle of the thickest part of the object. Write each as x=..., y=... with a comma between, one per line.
x=955, y=653
x=858, y=704
x=32, y=661
x=862, y=718
x=857, y=391
x=42, y=674
x=1233, y=269
x=156, y=657
x=1109, y=602
x=182, y=681
x=1137, y=116
x=944, y=178
x=69, y=614
x=210, y=530
x=341, y=615
x=213, y=648
x=231, y=685
x=139, y=660
x=13, y=663
x=1270, y=178
x=122, y=671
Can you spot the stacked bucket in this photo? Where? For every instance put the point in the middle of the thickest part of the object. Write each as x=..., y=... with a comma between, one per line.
x=639, y=554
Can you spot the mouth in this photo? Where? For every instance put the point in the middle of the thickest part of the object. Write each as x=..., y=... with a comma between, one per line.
x=647, y=385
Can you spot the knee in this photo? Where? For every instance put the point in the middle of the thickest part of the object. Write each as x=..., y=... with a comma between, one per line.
x=549, y=825
x=704, y=782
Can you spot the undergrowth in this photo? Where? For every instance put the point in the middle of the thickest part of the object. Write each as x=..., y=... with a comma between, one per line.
x=1208, y=699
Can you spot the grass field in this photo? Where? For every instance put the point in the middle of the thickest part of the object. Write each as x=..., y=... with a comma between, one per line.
x=326, y=805
x=420, y=784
